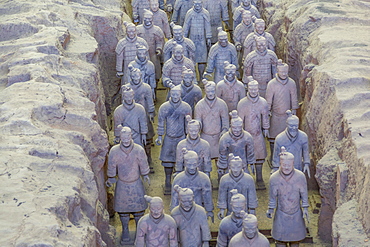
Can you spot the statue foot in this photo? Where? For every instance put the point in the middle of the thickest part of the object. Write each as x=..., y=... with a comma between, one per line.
x=151, y=170
x=166, y=190
x=260, y=185
x=125, y=237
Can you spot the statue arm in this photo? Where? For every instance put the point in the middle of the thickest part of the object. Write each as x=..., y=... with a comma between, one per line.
x=117, y=120
x=234, y=57
x=274, y=61
x=222, y=195
x=224, y=10
x=294, y=97
x=151, y=77
x=222, y=161
x=207, y=195
x=207, y=159
x=112, y=166
x=174, y=197
x=186, y=26
x=269, y=96
x=179, y=165
x=248, y=65
x=211, y=60
x=306, y=152
x=166, y=27
x=224, y=118
x=251, y=158
x=265, y=117
x=161, y=120
x=119, y=61
x=252, y=196
x=275, y=156
x=140, y=235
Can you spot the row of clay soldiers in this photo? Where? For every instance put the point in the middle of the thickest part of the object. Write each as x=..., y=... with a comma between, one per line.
x=191, y=201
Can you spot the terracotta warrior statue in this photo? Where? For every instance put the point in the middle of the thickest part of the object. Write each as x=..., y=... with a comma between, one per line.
x=154, y=36
x=230, y=89
x=132, y=115
x=236, y=3
x=220, y=52
x=236, y=141
x=296, y=142
x=172, y=122
x=191, y=220
x=179, y=11
x=288, y=195
x=197, y=27
x=126, y=51
x=261, y=64
x=190, y=93
x=160, y=18
x=128, y=161
x=195, y=180
x=253, y=110
x=236, y=179
x=195, y=143
x=218, y=11
x=281, y=95
x=246, y=5
x=212, y=113
x=138, y=7
x=156, y=229
x=241, y=32
x=249, y=43
x=232, y=224
x=178, y=36
x=249, y=236
x=146, y=67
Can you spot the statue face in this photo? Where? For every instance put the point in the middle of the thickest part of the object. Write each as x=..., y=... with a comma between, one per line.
x=188, y=79
x=260, y=27
x=253, y=90
x=136, y=78
x=247, y=19
x=237, y=207
x=154, y=6
x=128, y=97
x=210, y=93
x=223, y=41
x=283, y=72
x=142, y=55
x=191, y=165
x=131, y=32
x=193, y=131
x=156, y=210
x=178, y=54
x=148, y=21
x=261, y=46
x=250, y=229
x=286, y=166
x=236, y=168
x=198, y=5
x=178, y=35
x=236, y=129
x=175, y=95
x=230, y=74
x=126, y=139
x=186, y=202
x=292, y=128
x=246, y=2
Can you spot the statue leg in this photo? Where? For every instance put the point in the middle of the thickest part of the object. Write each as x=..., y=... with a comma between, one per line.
x=294, y=244
x=125, y=218
x=272, y=142
x=201, y=69
x=260, y=184
x=148, y=151
x=168, y=170
x=137, y=216
x=280, y=244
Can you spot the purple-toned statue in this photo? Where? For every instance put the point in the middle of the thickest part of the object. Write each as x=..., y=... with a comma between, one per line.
x=172, y=122
x=236, y=141
x=288, y=195
x=191, y=220
x=128, y=161
x=197, y=27
x=236, y=3
x=296, y=142
x=232, y=224
x=160, y=18
x=249, y=236
x=220, y=52
x=195, y=180
x=156, y=229
x=190, y=93
x=253, y=110
x=212, y=113
x=195, y=143
x=230, y=89
x=218, y=11
x=236, y=179
x=131, y=114
x=178, y=36
x=246, y=5
x=138, y=7
x=154, y=36
x=249, y=43
x=126, y=50
x=261, y=64
x=281, y=95
x=179, y=11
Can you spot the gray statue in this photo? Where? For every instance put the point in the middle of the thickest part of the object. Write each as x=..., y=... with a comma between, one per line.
x=230, y=89
x=131, y=114
x=232, y=224
x=179, y=11
x=195, y=180
x=138, y=7
x=146, y=67
x=246, y=5
x=155, y=38
x=195, y=143
x=190, y=93
x=236, y=3
x=218, y=11
x=160, y=18
x=126, y=50
x=236, y=179
x=296, y=142
x=236, y=141
x=172, y=122
x=191, y=220
x=212, y=113
x=249, y=236
x=220, y=52
x=128, y=161
x=178, y=36
x=197, y=27
x=249, y=43
x=253, y=110
x=156, y=229
x=281, y=95
x=288, y=195
x=261, y=64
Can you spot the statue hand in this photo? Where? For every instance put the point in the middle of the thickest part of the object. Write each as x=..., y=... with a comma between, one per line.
x=238, y=47
x=227, y=26
x=116, y=139
x=151, y=117
x=135, y=18
x=207, y=76
x=266, y=133
x=252, y=211
x=169, y=8
x=209, y=42
x=110, y=182
x=119, y=74
x=254, y=18
x=143, y=139
x=269, y=213
x=158, y=51
x=147, y=179
x=306, y=168
x=305, y=214
x=158, y=141
x=210, y=215
x=221, y=214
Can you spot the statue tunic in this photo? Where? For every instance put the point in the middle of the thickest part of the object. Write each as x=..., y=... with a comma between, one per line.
x=138, y=7
x=231, y=92
x=160, y=20
x=179, y=11
x=249, y=43
x=237, y=14
x=240, y=240
x=172, y=70
x=191, y=94
x=218, y=11
x=229, y=226
x=147, y=69
x=187, y=44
